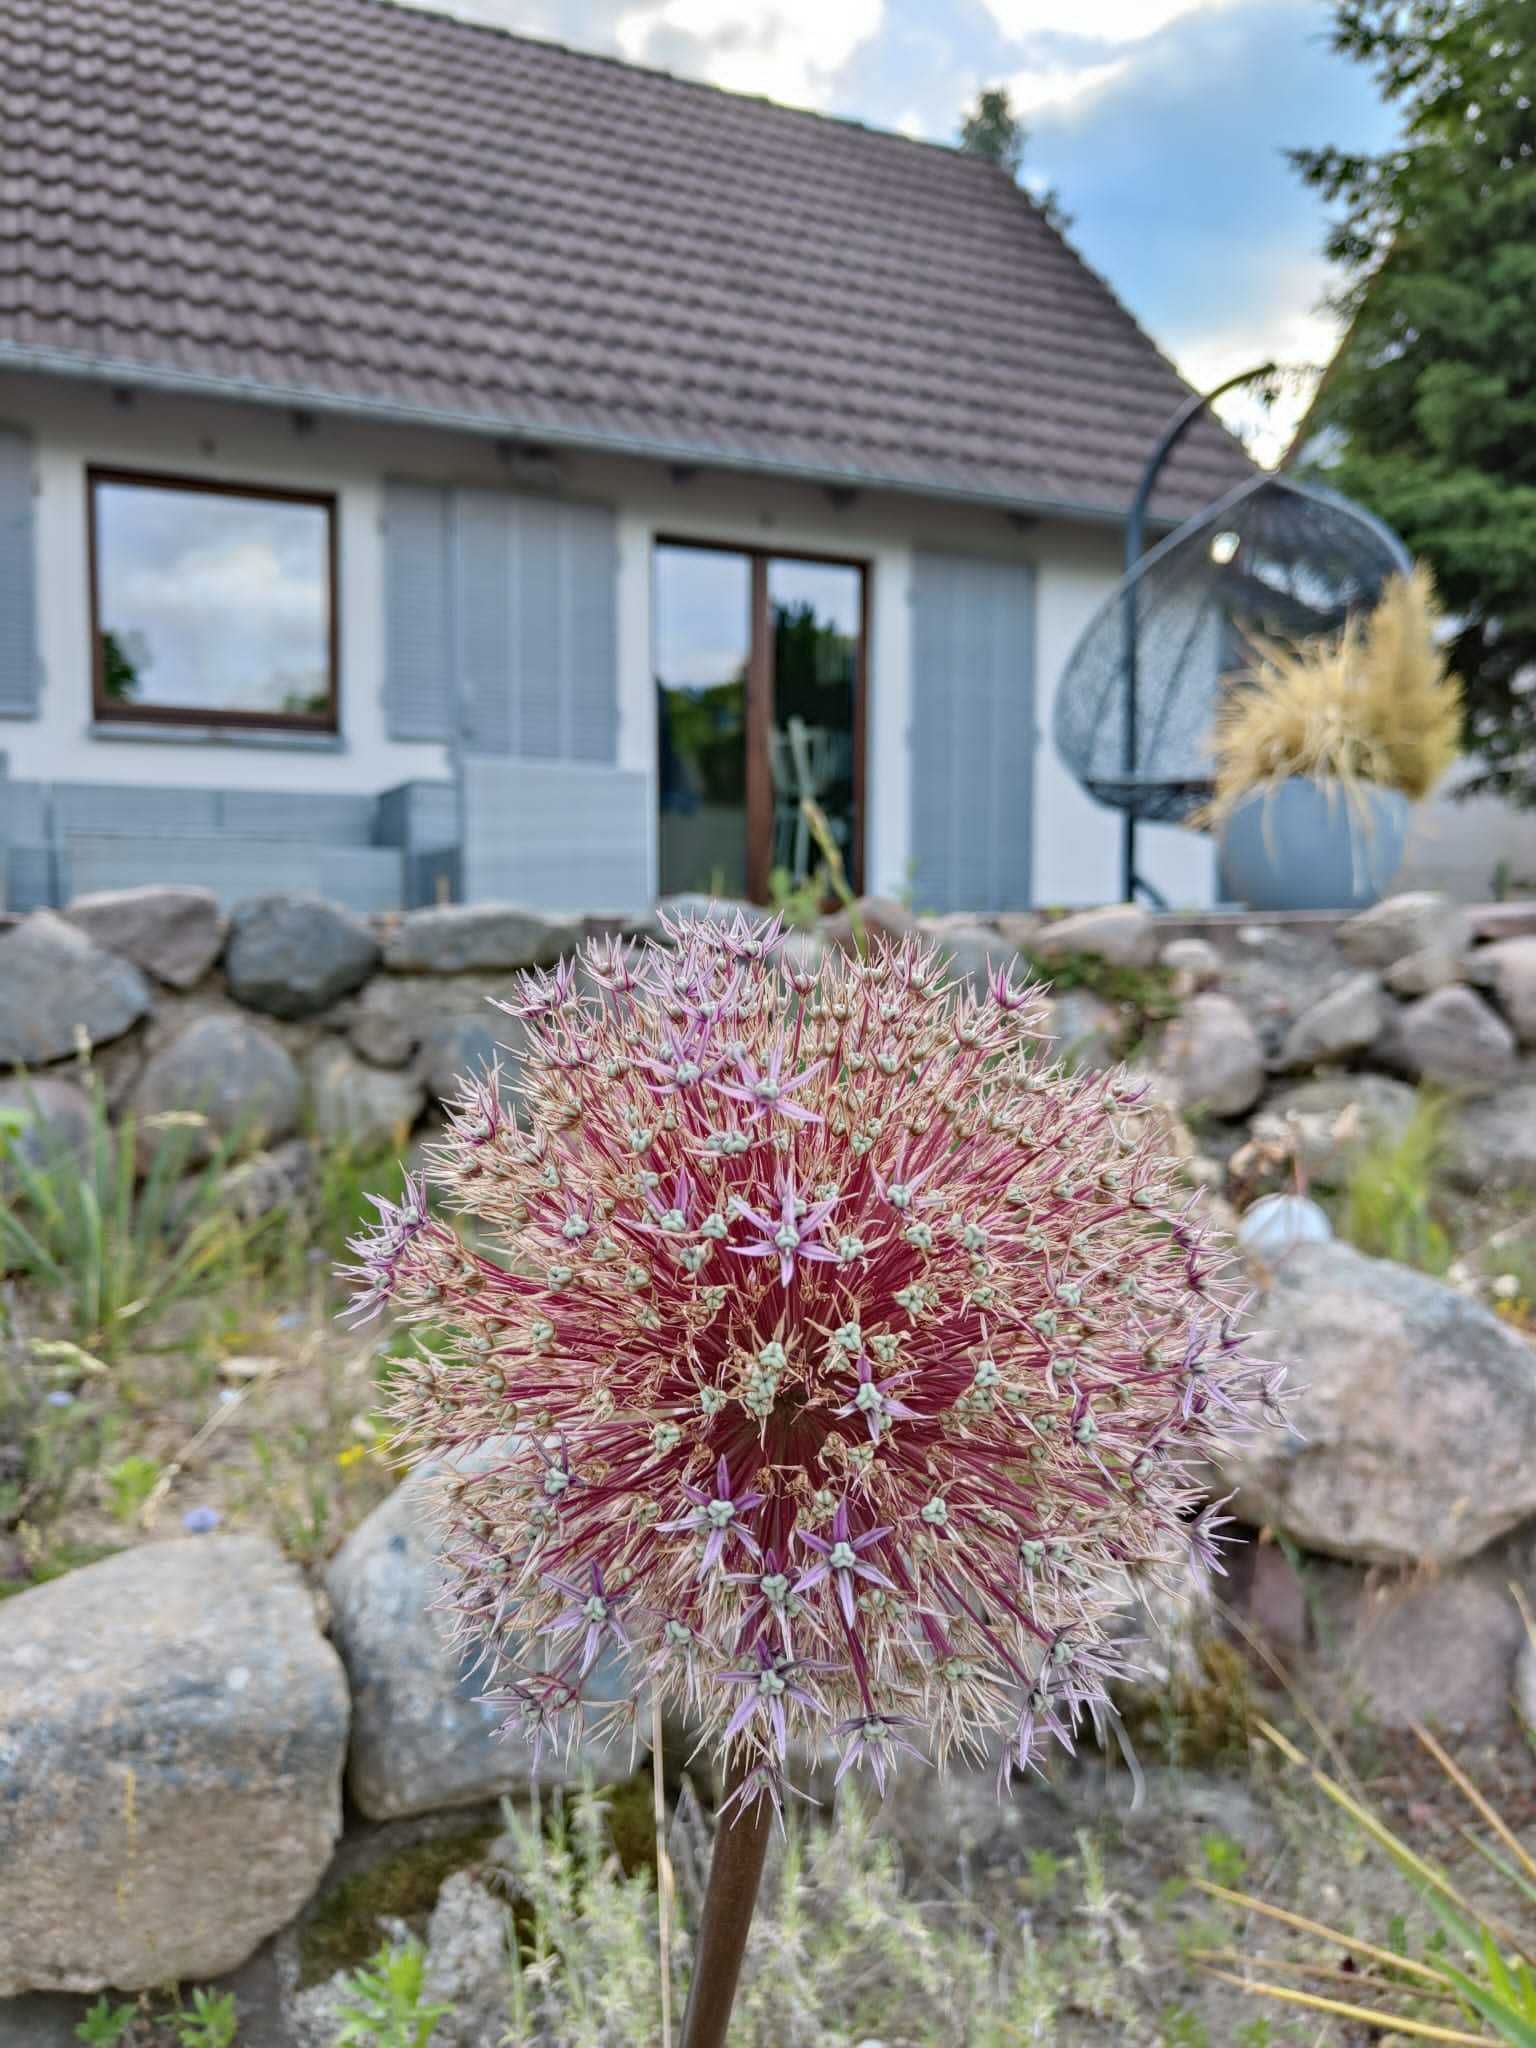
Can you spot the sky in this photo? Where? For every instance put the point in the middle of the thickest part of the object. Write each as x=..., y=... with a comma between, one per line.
x=1161, y=124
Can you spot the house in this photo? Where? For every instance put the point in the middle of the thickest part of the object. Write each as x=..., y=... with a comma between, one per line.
x=435, y=461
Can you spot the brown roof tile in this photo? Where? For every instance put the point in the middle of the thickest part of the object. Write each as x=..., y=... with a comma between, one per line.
x=356, y=200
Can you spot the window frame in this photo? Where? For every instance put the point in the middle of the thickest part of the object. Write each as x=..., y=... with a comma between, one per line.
x=107, y=711
x=759, y=695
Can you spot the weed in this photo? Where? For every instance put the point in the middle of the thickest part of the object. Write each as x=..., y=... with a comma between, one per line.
x=382, y=2002
x=1201, y=1716
x=1388, y=1204
x=1226, y=1861
x=210, y=2022
x=122, y=1230
x=798, y=903
x=129, y=1484
x=106, y=2025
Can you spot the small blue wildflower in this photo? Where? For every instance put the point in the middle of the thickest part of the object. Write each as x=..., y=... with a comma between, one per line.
x=199, y=1521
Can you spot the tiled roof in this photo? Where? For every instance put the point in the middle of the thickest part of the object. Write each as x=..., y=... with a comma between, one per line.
x=355, y=202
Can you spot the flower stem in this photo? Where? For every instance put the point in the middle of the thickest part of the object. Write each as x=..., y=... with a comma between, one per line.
x=735, y=1871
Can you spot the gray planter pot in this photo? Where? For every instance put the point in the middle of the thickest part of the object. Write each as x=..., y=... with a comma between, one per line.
x=1304, y=845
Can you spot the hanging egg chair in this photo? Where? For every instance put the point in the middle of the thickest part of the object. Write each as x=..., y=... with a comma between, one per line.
x=1136, y=701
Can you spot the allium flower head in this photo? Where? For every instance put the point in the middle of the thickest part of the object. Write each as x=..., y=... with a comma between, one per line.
x=835, y=1359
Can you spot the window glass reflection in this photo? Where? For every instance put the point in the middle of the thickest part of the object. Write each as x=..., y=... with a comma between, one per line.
x=211, y=603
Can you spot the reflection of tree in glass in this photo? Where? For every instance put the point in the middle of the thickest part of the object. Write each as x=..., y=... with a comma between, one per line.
x=119, y=675
x=305, y=704
x=704, y=729
x=813, y=671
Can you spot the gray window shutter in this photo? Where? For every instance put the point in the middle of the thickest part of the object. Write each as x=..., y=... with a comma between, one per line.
x=20, y=667
x=483, y=538
x=591, y=651
x=504, y=605
x=420, y=683
x=973, y=732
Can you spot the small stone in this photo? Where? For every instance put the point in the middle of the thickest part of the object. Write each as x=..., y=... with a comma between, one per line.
x=292, y=956
x=360, y=1107
x=230, y=1072
x=1275, y=1599
x=471, y=938
x=175, y=934
x=1451, y=1038
x=1412, y=1434
x=56, y=987
x=57, y=1126
x=1195, y=963
x=172, y=1732
x=1490, y=1145
x=1405, y=924
x=1121, y=934
x=1347, y=1020
x=421, y=1736
x=1337, y=1118
x=1213, y=1056
x=1440, y=1650
x=1509, y=969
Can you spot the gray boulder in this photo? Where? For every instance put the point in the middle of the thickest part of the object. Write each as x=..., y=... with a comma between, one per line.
x=1509, y=969
x=1405, y=924
x=1085, y=1031
x=1213, y=1057
x=1338, y=1117
x=361, y=1107
x=1412, y=1433
x=1195, y=963
x=1347, y=1020
x=175, y=934
x=466, y=938
x=58, y=1122
x=1452, y=1039
x=1440, y=1649
x=173, y=1727
x=421, y=1736
x=1490, y=1145
x=57, y=987
x=1121, y=934
x=273, y=1180
x=451, y=1020
x=292, y=956
x=228, y=1070
x=1421, y=973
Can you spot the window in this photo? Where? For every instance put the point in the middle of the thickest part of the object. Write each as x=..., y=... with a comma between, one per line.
x=759, y=663
x=212, y=604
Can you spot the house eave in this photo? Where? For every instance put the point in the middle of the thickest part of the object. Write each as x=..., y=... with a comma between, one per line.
x=126, y=372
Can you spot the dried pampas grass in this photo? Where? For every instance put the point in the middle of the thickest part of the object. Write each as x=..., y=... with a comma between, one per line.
x=1374, y=704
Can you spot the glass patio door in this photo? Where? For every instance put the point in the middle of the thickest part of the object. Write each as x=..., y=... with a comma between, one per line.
x=759, y=663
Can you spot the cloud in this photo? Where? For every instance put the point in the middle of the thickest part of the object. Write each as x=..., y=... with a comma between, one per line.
x=1110, y=21
x=1057, y=86
x=790, y=50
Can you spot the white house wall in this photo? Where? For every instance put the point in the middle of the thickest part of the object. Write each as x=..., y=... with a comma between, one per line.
x=1075, y=843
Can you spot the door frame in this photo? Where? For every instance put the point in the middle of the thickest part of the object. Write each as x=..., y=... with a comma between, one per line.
x=758, y=721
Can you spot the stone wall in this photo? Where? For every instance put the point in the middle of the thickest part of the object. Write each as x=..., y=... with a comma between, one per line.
x=295, y=1022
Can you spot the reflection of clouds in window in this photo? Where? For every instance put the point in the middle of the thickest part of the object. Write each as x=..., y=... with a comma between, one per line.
x=829, y=588
x=214, y=603
x=703, y=613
